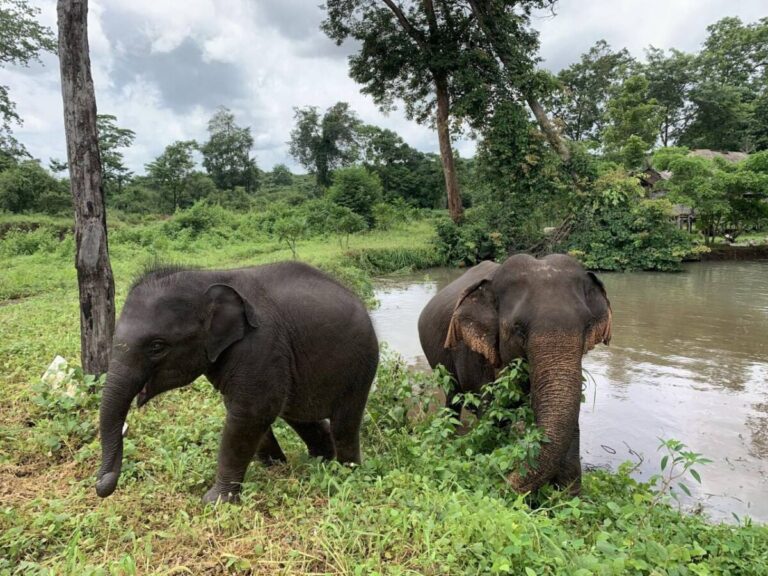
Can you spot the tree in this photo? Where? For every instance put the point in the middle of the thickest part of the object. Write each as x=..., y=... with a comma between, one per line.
x=281, y=175
x=323, y=144
x=227, y=154
x=670, y=78
x=505, y=25
x=732, y=81
x=22, y=40
x=408, y=52
x=357, y=189
x=290, y=229
x=171, y=172
x=27, y=187
x=404, y=171
x=720, y=119
x=633, y=118
x=112, y=139
x=94, y=272
x=580, y=102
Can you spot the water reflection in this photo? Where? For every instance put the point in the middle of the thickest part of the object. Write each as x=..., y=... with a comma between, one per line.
x=688, y=360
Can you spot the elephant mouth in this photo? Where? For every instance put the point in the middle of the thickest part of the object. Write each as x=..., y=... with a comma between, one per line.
x=142, y=397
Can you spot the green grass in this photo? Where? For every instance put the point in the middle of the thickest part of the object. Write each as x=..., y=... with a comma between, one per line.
x=419, y=504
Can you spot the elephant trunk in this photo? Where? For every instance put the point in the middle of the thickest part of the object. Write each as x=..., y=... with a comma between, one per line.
x=555, y=367
x=116, y=399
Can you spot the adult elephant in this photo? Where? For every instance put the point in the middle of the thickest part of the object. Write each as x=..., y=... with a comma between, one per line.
x=278, y=340
x=549, y=311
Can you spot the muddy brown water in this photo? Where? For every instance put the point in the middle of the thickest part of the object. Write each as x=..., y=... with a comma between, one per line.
x=688, y=360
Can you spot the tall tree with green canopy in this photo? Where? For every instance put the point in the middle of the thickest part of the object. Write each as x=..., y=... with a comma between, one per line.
x=732, y=82
x=112, y=139
x=580, y=102
x=505, y=25
x=227, y=154
x=411, y=51
x=171, y=171
x=670, y=78
x=94, y=272
x=324, y=143
x=633, y=121
x=22, y=40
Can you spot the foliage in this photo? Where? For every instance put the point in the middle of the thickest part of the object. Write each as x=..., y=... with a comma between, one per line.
x=22, y=40
x=323, y=144
x=28, y=187
x=65, y=401
x=171, y=173
x=619, y=230
x=467, y=243
x=670, y=78
x=521, y=185
x=405, y=172
x=581, y=99
x=676, y=465
x=357, y=189
x=633, y=121
x=280, y=175
x=112, y=140
x=726, y=198
x=290, y=229
x=227, y=153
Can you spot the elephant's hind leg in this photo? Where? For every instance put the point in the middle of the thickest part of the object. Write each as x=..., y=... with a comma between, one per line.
x=317, y=436
x=269, y=451
x=345, y=428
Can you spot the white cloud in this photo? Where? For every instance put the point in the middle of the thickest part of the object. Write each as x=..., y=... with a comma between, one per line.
x=162, y=66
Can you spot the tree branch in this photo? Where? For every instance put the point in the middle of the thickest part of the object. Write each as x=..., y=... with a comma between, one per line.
x=429, y=9
x=406, y=24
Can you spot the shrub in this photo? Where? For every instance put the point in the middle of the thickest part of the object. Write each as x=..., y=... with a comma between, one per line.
x=201, y=217
x=619, y=230
x=357, y=189
x=468, y=243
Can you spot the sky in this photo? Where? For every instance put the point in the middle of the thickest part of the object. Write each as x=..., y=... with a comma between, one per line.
x=163, y=66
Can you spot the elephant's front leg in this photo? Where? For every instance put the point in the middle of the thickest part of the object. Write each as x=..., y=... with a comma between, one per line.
x=239, y=441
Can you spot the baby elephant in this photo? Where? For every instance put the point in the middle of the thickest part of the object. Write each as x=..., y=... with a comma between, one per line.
x=277, y=340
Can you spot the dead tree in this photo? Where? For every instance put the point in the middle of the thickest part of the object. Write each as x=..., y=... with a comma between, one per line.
x=94, y=272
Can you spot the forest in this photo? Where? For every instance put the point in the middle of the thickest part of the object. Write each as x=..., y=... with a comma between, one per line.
x=627, y=162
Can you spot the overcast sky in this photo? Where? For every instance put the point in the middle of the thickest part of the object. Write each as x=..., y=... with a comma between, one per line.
x=163, y=66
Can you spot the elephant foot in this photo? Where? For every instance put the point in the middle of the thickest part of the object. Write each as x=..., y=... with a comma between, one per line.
x=521, y=484
x=222, y=493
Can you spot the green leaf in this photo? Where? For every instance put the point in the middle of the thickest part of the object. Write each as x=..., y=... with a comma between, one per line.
x=695, y=475
x=664, y=462
x=684, y=488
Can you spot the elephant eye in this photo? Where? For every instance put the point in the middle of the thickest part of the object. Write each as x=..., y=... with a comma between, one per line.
x=158, y=347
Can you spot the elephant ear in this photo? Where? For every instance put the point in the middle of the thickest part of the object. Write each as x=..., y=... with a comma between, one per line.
x=229, y=316
x=597, y=299
x=475, y=322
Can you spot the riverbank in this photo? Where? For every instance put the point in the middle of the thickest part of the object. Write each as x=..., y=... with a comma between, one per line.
x=723, y=252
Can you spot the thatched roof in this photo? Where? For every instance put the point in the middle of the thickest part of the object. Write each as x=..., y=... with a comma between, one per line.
x=712, y=154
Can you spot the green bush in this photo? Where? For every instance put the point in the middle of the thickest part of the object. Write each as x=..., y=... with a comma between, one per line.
x=200, y=218
x=18, y=242
x=467, y=243
x=619, y=230
x=357, y=189
x=28, y=187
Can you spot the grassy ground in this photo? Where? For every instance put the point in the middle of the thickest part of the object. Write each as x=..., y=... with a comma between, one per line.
x=421, y=503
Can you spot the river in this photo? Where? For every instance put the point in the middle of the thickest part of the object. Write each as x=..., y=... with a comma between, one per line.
x=688, y=360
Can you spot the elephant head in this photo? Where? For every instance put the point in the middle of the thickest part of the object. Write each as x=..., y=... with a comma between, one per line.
x=171, y=330
x=549, y=311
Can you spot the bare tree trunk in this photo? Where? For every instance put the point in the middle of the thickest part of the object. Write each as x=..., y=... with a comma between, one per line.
x=552, y=134
x=446, y=152
x=94, y=273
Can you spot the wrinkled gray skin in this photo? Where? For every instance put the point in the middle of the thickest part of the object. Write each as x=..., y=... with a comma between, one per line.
x=549, y=311
x=278, y=340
